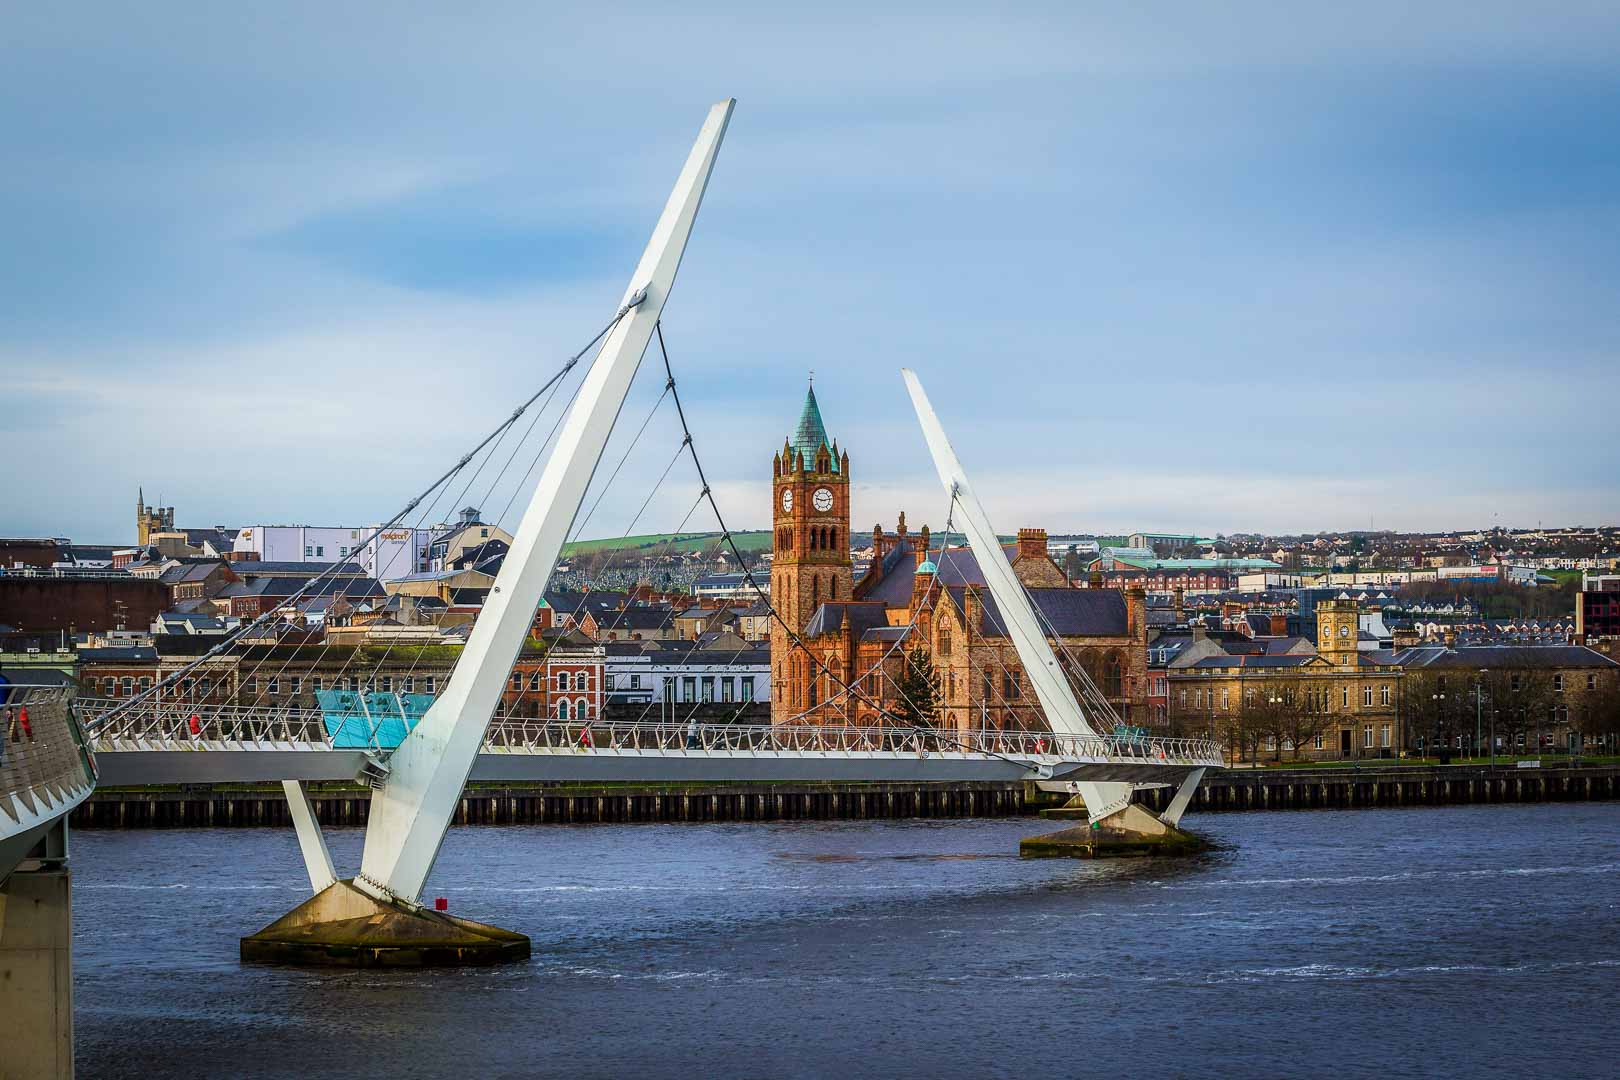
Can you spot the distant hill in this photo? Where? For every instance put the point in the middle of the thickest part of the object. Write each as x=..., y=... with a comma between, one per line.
x=670, y=543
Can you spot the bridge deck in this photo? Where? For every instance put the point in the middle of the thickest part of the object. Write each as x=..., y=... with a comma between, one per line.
x=237, y=746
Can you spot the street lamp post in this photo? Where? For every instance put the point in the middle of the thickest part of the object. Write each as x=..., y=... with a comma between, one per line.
x=1439, y=705
x=1479, y=706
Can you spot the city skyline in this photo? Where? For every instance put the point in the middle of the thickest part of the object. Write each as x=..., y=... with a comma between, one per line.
x=1241, y=277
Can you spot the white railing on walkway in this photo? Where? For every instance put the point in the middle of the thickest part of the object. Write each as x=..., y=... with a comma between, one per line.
x=241, y=725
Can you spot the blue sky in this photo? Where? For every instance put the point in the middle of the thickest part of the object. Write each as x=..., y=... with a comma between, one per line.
x=1195, y=267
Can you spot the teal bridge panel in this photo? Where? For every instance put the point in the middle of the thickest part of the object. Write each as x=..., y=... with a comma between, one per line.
x=370, y=721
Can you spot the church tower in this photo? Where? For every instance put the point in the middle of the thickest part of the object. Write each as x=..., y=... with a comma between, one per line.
x=810, y=562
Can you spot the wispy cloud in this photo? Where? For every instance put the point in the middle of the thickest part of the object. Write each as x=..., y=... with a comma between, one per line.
x=1193, y=267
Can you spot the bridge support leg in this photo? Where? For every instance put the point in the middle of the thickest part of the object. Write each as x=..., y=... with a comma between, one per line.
x=1123, y=828
x=36, y=967
x=317, y=859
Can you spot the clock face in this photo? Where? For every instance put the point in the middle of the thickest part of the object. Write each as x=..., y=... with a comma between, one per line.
x=787, y=499
x=822, y=500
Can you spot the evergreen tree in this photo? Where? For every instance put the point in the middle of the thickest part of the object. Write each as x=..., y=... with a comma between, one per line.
x=918, y=692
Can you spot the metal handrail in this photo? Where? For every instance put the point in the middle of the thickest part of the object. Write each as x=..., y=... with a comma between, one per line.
x=48, y=754
x=172, y=722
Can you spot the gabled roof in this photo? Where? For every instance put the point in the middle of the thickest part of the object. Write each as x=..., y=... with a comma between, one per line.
x=863, y=616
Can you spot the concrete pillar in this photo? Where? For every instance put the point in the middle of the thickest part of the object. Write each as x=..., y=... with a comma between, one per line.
x=36, y=973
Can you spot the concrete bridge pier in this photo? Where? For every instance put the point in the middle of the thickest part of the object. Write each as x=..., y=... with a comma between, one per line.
x=36, y=963
x=1124, y=827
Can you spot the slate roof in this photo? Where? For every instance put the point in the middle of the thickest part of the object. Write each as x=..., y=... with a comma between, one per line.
x=188, y=571
x=956, y=566
x=1285, y=661
x=1474, y=657
x=637, y=618
x=115, y=654
x=1067, y=612
x=286, y=586
x=863, y=616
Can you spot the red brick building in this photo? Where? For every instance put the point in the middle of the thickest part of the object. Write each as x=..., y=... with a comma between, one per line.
x=562, y=680
x=918, y=595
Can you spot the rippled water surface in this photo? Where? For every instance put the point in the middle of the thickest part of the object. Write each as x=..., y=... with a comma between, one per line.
x=1469, y=940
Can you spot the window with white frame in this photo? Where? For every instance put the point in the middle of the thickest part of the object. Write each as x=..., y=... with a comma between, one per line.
x=562, y=680
x=1366, y=736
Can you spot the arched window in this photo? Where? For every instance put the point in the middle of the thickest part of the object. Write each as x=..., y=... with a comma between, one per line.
x=832, y=588
x=944, y=641
x=562, y=710
x=815, y=592
x=562, y=680
x=1113, y=680
x=582, y=709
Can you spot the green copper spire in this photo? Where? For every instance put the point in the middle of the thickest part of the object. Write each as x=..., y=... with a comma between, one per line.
x=812, y=433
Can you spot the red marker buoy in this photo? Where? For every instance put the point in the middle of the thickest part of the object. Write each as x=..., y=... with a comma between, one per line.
x=440, y=904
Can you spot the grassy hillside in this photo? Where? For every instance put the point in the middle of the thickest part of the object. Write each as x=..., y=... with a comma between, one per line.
x=759, y=540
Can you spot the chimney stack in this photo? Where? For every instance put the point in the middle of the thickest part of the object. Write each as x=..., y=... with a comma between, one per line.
x=1031, y=543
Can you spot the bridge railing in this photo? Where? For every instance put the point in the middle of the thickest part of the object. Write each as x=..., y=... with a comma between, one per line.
x=192, y=723
x=42, y=748
x=542, y=734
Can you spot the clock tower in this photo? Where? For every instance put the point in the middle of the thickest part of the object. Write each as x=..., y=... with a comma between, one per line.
x=810, y=552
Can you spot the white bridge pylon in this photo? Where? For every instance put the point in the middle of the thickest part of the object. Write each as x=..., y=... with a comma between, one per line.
x=1051, y=686
x=412, y=810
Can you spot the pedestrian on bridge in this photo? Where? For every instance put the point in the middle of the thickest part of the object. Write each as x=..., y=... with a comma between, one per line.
x=692, y=733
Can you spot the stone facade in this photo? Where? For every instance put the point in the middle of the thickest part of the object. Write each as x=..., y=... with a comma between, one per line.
x=918, y=594
x=810, y=561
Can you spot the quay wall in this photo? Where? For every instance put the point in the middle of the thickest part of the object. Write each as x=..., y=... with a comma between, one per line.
x=527, y=804
x=1398, y=785
x=1258, y=789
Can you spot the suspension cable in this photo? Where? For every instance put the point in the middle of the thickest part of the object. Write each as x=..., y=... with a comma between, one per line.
x=231, y=638
x=707, y=494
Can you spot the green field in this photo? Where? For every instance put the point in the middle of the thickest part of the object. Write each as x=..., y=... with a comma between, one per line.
x=672, y=543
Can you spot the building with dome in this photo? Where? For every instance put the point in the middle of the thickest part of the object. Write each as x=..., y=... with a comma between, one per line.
x=920, y=593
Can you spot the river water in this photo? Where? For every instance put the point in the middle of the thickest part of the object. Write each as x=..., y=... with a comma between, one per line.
x=1480, y=941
